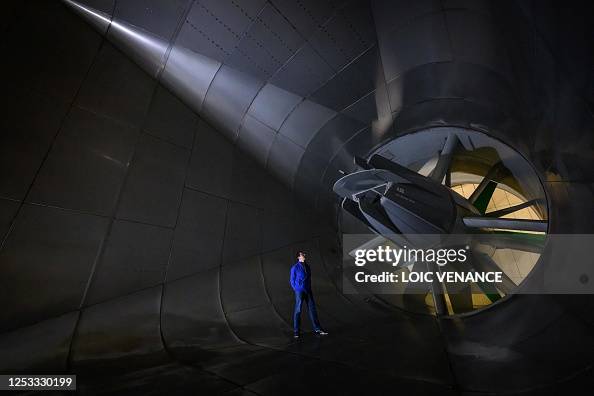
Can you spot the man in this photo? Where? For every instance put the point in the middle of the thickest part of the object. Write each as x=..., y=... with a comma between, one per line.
x=301, y=284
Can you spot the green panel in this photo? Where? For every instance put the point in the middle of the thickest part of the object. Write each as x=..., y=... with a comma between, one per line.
x=537, y=240
x=493, y=297
x=482, y=201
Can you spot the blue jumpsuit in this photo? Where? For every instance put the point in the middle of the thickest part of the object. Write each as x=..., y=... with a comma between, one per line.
x=301, y=284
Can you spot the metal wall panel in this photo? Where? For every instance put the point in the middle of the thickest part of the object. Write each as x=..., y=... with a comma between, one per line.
x=115, y=89
x=475, y=39
x=283, y=159
x=159, y=17
x=228, y=98
x=394, y=14
x=8, y=210
x=153, y=189
x=86, y=167
x=451, y=80
x=134, y=258
x=185, y=65
x=346, y=35
x=304, y=73
x=135, y=316
x=242, y=285
x=29, y=124
x=305, y=121
x=214, y=28
x=273, y=331
x=170, y=119
x=98, y=12
x=415, y=44
x=43, y=346
x=255, y=138
x=272, y=105
x=66, y=53
x=211, y=162
x=269, y=42
x=243, y=237
x=247, y=180
x=353, y=82
x=201, y=324
x=46, y=238
x=198, y=239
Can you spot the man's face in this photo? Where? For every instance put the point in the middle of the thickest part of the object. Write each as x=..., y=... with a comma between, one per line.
x=301, y=258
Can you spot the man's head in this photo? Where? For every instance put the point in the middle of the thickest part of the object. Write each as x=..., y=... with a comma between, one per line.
x=301, y=257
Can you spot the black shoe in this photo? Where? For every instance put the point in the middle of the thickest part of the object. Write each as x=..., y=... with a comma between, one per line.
x=321, y=332
x=295, y=335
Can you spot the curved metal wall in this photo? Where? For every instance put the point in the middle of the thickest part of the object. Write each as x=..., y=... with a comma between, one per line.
x=486, y=66
x=288, y=84
x=186, y=242
x=138, y=242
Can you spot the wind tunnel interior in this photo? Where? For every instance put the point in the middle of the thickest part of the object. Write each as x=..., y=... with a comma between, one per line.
x=162, y=162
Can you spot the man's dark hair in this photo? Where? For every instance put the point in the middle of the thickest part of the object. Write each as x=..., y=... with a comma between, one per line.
x=300, y=253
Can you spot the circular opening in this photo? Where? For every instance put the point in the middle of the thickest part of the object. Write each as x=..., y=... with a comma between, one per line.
x=494, y=191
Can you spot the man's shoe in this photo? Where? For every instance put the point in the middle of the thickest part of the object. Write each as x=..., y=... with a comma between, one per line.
x=321, y=332
x=295, y=335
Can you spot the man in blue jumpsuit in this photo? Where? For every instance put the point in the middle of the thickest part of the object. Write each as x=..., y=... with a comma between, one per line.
x=301, y=284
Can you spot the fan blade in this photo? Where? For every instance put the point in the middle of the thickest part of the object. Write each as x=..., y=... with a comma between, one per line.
x=482, y=195
x=532, y=243
x=414, y=210
x=484, y=263
x=460, y=295
x=361, y=163
x=482, y=201
x=512, y=209
x=488, y=289
x=376, y=216
x=358, y=182
x=506, y=224
x=445, y=158
x=414, y=293
x=439, y=301
x=352, y=208
x=379, y=162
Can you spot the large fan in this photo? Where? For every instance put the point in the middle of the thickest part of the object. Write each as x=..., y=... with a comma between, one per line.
x=393, y=200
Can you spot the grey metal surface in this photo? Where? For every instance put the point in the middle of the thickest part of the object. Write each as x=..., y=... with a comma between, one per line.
x=8, y=209
x=153, y=189
x=136, y=316
x=199, y=233
x=134, y=258
x=228, y=98
x=29, y=124
x=42, y=346
x=45, y=238
x=114, y=90
x=199, y=277
x=90, y=148
x=272, y=105
x=168, y=119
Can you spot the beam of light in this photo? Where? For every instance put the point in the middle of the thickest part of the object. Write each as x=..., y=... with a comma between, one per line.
x=89, y=14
